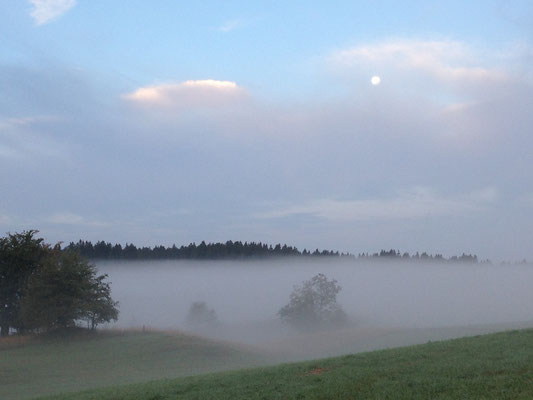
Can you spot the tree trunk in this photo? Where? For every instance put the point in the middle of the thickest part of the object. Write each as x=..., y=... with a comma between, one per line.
x=4, y=330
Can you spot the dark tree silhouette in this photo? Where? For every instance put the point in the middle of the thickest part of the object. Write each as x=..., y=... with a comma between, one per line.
x=20, y=255
x=44, y=287
x=210, y=251
x=64, y=291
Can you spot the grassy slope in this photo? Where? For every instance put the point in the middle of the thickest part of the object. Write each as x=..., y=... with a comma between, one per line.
x=496, y=366
x=53, y=365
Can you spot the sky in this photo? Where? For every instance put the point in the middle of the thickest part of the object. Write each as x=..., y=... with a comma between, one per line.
x=176, y=122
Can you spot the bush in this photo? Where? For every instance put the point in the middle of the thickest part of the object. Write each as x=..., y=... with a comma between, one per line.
x=200, y=316
x=313, y=305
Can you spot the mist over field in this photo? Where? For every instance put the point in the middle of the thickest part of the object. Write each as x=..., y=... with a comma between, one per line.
x=197, y=153
x=390, y=298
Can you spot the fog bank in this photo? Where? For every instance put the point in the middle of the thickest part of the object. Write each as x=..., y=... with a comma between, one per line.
x=385, y=297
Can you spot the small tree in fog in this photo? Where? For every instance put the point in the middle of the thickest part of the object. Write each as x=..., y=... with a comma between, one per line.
x=200, y=315
x=314, y=305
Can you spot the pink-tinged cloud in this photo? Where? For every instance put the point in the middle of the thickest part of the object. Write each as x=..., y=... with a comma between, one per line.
x=207, y=92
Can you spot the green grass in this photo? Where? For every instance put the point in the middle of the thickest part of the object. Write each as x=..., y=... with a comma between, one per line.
x=497, y=366
x=30, y=367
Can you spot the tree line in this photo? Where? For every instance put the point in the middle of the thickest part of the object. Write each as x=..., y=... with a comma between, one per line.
x=227, y=250
x=397, y=255
x=102, y=250
x=44, y=288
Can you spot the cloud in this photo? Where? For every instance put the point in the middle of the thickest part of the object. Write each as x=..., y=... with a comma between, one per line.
x=22, y=138
x=526, y=199
x=9, y=123
x=12, y=122
x=445, y=60
x=419, y=202
x=208, y=92
x=312, y=162
x=45, y=11
x=444, y=91
x=67, y=218
x=231, y=25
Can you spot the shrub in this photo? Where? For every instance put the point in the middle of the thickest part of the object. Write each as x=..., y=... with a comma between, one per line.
x=200, y=315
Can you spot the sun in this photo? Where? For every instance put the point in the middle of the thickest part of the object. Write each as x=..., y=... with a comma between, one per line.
x=376, y=80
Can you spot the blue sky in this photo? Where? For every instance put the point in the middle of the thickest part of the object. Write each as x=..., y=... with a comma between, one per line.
x=170, y=122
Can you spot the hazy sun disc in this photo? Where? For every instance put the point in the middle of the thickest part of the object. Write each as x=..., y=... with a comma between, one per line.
x=376, y=80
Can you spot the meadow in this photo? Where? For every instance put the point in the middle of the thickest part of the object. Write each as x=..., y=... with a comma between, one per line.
x=33, y=366
x=496, y=366
x=389, y=305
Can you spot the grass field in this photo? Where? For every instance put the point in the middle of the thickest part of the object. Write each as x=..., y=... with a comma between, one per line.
x=495, y=366
x=30, y=367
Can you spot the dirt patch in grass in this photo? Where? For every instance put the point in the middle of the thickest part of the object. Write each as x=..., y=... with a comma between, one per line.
x=316, y=371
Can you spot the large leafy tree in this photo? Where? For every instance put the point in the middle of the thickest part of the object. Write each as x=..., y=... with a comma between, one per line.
x=314, y=305
x=44, y=287
x=64, y=291
x=20, y=255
